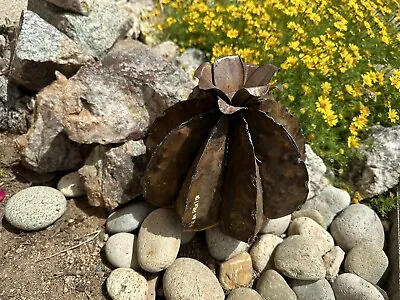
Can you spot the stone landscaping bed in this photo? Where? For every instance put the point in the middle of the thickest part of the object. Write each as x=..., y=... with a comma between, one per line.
x=74, y=222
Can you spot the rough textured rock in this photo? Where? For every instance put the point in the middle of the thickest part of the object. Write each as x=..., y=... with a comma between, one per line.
x=272, y=286
x=244, y=293
x=349, y=286
x=329, y=202
x=316, y=171
x=15, y=108
x=10, y=11
x=167, y=50
x=236, y=272
x=161, y=227
x=315, y=290
x=40, y=50
x=190, y=59
x=306, y=226
x=380, y=169
x=189, y=279
x=276, y=226
x=368, y=261
x=262, y=251
x=126, y=284
x=80, y=6
x=355, y=225
x=112, y=175
x=107, y=102
x=298, y=257
x=333, y=260
x=97, y=32
x=223, y=247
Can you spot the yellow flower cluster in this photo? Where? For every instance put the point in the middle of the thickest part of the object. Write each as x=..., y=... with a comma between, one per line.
x=340, y=58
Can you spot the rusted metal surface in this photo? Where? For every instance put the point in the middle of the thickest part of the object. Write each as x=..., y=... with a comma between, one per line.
x=238, y=165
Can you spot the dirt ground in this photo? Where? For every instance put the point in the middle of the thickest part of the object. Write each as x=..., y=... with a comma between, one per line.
x=38, y=265
x=26, y=269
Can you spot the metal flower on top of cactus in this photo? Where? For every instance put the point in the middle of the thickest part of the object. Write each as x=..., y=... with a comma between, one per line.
x=229, y=155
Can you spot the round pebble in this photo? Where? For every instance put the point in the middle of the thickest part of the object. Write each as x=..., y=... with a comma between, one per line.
x=349, y=286
x=223, y=247
x=332, y=261
x=312, y=214
x=159, y=240
x=128, y=218
x=244, y=293
x=315, y=290
x=121, y=251
x=71, y=185
x=306, y=226
x=276, y=226
x=35, y=208
x=357, y=224
x=272, y=286
x=126, y=284
x=189, y=279
x=298, y=257
x=367, y=261
x=261, y=252
x=329, y=202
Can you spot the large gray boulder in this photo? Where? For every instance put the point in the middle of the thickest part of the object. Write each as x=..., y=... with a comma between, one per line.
x=112, y=175
x=98, y=31
x=40, y=49
x=79, y=6
x=107, y=102
x=380, y=169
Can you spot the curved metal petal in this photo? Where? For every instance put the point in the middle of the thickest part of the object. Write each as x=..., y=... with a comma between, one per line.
x=199, y=200
x=205, y=76
x=261, y=76
x=282, y=116
x=172, y=159
x=228, y=74
x=284, y=176
x=176, y=115
x=242, y=205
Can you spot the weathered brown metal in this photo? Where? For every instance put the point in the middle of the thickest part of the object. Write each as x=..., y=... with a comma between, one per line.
x=230, y=154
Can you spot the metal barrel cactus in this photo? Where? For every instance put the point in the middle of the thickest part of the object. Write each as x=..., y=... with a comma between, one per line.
x=229, y=155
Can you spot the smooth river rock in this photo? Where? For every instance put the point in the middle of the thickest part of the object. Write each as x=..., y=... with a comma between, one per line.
x=129, y=218
x=312, y=214
x=262, y=250
x=349, y=286
x=276, y=226
x=272, y=286
x=315, y=290
x=71, y=185
x=189, y=279
x=308, y=227
x=298, y=257
x=236, y=272
x=368, y=261
x=357, y=224
x=244, y=293
x=223, y=247
x=126, y=284
x=35, y=208
x=329, y=202
x=159, y=240
x=333, y=260
x=121, y=250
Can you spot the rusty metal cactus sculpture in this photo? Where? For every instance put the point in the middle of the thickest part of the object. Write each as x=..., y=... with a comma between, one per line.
x=229, y=155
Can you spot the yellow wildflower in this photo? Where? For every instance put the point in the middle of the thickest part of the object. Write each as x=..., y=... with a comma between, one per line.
x=393, y=115
x=353, y=142
x=232, y=33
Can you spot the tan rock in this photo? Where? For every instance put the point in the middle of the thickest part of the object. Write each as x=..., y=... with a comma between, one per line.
x=236, y=272
x=332, y=261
